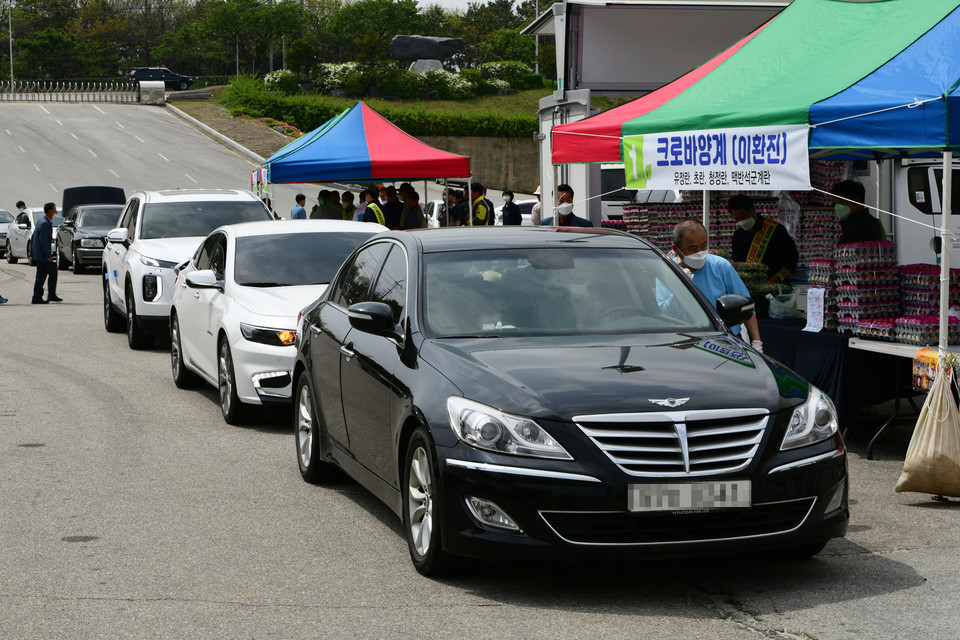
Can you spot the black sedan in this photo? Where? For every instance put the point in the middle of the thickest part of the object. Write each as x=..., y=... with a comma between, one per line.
x=558, y=392
x=81, y=237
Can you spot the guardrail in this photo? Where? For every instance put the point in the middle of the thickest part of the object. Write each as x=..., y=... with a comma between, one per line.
x=120, y=91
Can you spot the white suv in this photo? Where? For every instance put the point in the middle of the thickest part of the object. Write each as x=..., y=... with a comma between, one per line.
x=157, y=231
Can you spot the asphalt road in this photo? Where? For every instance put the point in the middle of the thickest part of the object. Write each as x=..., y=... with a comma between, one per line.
x=129, y=509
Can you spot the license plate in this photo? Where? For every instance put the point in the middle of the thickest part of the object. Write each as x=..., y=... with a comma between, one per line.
x=687, y=496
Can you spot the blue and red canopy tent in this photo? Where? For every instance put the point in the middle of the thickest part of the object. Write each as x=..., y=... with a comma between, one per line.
x=357, y=146
x=868, y=79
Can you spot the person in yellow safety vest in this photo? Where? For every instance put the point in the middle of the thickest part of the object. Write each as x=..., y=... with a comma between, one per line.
x=373, y=212
x=483, y=214
x=759, y=239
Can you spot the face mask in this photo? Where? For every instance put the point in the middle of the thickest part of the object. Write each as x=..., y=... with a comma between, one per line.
x=696, y=260
x=345, y=204
x=565, y=209
x=506, y=198
x=747, y=223
x=842, y=211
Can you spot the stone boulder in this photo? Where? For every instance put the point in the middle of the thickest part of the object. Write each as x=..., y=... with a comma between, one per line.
x=424, y=47
x=422, y=66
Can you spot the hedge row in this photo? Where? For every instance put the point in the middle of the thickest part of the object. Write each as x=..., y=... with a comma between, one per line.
x=307, y=112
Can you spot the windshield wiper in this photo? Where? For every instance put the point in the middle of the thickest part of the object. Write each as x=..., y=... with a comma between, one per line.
x=262, y=284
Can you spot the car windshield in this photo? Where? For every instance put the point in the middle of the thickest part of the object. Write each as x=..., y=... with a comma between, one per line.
x=106, y=217
x=557, y=291
x=185, y=219
x=293, y=259
x=38, y=213
x=5, y=216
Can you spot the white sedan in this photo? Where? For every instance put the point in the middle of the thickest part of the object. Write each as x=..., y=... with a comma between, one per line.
x=233, y=316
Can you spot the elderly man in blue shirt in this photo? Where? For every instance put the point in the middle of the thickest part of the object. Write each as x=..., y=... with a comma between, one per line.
x=713, y=275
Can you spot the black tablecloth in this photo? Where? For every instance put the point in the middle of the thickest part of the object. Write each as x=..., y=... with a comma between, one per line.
x=853, y=378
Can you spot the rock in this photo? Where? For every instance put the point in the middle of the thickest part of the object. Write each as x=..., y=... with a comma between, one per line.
x=424, y=47
x=424, y=65
x=338, y=92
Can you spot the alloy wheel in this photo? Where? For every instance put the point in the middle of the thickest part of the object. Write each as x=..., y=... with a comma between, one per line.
x=420, y=501
x=304, y=427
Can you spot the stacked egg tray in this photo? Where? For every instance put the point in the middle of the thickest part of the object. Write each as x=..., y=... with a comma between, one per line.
x=881, y=253
x=925, y=329
x=822, y=272
x=823, y=175
x=877, y=329
x=820, y=231
x=920, y=288
x=867, y=277
x=754, y=276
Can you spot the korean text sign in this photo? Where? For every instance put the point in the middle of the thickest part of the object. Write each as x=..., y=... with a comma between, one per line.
x=739, y=159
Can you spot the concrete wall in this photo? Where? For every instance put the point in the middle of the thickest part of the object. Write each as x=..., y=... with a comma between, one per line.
x=497, y=163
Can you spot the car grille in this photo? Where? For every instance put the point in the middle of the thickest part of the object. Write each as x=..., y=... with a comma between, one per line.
x=678, y=443
x=650, y=528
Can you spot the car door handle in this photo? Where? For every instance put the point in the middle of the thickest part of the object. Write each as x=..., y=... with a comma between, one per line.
x=116, y=251
x=347, y=353
x=196, y=294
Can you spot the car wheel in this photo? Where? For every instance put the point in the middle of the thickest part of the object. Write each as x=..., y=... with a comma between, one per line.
x=30, y=260
x=421, y=507
x=306, y=430
x=184, y=85
x=182, y=377
x=10, y=257
x=62, y=263
x=230, y=406
x=112, y=320
x=136, y=336
x=77, y=267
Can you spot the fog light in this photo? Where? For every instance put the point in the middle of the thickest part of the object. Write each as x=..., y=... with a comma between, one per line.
x=836, y=499
x=151, y=288
x=489, y=513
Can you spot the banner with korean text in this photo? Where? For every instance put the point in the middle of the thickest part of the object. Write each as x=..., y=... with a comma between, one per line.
x=740, y=159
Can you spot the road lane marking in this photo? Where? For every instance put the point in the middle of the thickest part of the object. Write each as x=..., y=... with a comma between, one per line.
x=58, y=122
x=92, y=153
x=36, y=167
x=119, y=125
x=74, y=135
x=139, y=138
x=22, y=150
x=115, y=174
x=52, y=188
x=43, y=107
x=164, y=157
x=8, y=132
x=99, y=109
x=192, y=178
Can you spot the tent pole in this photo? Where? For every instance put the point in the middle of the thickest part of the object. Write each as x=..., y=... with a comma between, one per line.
x=706, y=212
x=945, y=246
x=468, y=196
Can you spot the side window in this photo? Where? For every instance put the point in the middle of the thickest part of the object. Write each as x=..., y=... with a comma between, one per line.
x=357, y=278
x=218, y=260
x=129, y=213
x=391, y=286
x=23, y=218
x=202, y=260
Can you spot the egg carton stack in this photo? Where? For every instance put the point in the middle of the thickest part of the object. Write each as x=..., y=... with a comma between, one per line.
x=920, y=289
x=823, y=175
x=662, y=218
x=622, y=225
x=754, y=276
x=925, y=329
x=822, y=275
x=819, y=233
x=867, y=287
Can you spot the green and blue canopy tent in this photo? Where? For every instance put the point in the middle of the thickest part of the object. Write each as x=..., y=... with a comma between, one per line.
x=844, y=79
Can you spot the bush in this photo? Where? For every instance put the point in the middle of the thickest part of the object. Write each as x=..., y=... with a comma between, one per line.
x=392, y=81
x=326, y=77
x=517, y=74
x=481, y=86
x=282, y=80
x=448, y=85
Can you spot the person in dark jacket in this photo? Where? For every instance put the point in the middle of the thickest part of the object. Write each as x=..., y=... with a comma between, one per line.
x=511, y=212
x=759, y=239
x=856, y=223
x=40, y=251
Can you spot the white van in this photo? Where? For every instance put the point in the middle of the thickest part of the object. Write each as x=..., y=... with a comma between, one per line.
x=615, y=195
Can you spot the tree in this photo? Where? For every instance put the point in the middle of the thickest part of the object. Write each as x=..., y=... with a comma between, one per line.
x=365, y=25
x=508, y=44
x=51, y=53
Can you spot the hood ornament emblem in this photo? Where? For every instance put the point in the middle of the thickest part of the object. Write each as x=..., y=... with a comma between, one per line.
x=670, y=402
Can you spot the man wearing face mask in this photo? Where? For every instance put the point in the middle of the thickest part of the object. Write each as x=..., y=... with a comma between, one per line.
x=759, y=239
x=565, y=216
x=713, y=275
x=511, y=212
x=856, y=223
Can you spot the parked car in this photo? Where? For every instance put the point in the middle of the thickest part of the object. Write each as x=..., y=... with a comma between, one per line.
x=20, y=234
x=157, y=231
x=5, y=218
x=559, y=392
x=233, y=315
x=170, y=79
x=526, y=209
x=89, y=213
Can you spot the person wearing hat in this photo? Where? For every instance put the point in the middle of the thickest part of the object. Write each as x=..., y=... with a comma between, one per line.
x=535, y=212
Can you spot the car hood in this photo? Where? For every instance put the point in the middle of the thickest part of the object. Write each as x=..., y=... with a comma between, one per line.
x=169, y=249
x=563, y=377
x=278, y=301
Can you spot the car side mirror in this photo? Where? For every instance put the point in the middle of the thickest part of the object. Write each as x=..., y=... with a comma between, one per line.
x=69, y=223
x=23, y=225
x=734, y=308
x=119, y=234
x=373, y=317
x=204, y=279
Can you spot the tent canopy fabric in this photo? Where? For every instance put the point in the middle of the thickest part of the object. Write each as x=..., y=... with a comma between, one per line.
x=872, y=79
x=360, y=145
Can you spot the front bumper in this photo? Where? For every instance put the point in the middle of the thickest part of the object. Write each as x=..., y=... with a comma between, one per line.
x=262, y=371
x=579, y=514
x=90, y=256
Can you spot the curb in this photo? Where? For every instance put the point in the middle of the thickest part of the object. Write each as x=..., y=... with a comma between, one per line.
x=239, y=148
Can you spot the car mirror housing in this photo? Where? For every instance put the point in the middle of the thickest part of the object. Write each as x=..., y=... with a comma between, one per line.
x=23, y=225
x=118, y=235
x=69, y=223
x=734, y=308
x=373, y=317
x=204, y=279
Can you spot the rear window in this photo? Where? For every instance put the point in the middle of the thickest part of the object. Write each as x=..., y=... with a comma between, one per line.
x=186, y=219
x=293, y=259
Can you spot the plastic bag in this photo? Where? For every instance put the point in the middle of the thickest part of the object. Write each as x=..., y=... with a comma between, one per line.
x=932, y=463
x=784, y=306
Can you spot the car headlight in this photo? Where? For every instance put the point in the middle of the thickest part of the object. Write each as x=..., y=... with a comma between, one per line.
x=92, y=242
x=487, y=428
x=265, y=335
x=153, y=262
x=813, y=421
